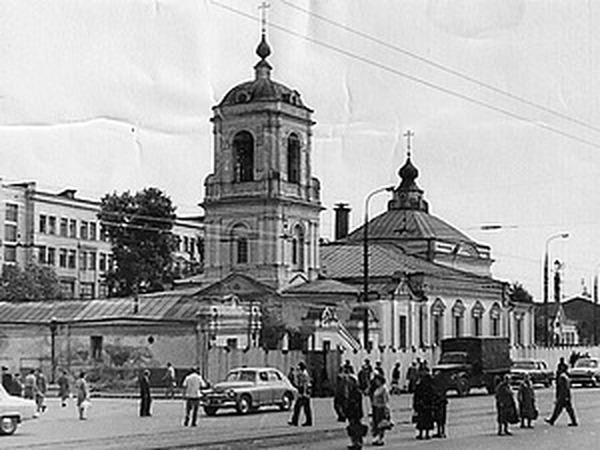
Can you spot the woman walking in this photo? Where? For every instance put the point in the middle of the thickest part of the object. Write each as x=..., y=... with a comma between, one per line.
x=83, y=396
x=424, y=405
x=526, y=398
x=441, y=405
x=505, y=406
x=380, y=409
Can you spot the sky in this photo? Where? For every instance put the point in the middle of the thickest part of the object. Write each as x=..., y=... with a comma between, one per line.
x=503, y=98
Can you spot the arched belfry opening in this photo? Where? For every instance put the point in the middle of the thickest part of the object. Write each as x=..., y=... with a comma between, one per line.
x=243, y=156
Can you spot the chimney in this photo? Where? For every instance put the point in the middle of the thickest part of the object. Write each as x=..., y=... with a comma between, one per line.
x=342, y=215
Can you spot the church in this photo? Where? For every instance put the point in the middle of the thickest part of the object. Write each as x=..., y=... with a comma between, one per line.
x=405, y=280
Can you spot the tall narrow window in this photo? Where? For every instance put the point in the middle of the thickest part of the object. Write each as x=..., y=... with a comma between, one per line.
x=243, y=156
x=437, y=319
x=495, y=320
x=239, y=238
x=458, y=314
x=477, y=314
x=298, y=248
x=293, y=158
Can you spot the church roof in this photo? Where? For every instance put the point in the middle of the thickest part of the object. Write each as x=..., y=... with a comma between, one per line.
x=322, y=286
x=344, y=260
x=400, y=224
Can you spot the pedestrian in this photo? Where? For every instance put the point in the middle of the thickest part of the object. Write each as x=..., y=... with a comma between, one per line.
x=395, y=386
x=145, y=394
x=192, y=393
x=83, y=396
x=17, y=385
x=526, y=398
x=382, y=420
x=64, y=388
x=364, y=376
x=348, y=367
x=41, y=383
x=562, y=366
x=563, y=398
x=440, y=404
x=505, y=406
x=353, y=409
x=379, y=369
x=423, y=405
x=29, y=388
x=303, y=385
x=338, y=395
x=411, y=377
x=170, y=381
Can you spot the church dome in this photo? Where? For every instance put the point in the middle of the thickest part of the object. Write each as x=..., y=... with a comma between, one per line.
x=262, y=88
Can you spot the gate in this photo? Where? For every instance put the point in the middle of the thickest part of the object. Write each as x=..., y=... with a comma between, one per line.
x=323, y=367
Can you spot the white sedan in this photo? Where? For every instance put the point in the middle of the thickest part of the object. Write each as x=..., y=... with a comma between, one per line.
x=14, y=410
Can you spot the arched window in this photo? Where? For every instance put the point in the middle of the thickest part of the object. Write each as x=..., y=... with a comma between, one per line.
x=477, y=314
x=495, y=320
x=298, y=248
x=458, y=314
x=243, y=156
x=293, y=158
x=437, y=320
x=239, y=239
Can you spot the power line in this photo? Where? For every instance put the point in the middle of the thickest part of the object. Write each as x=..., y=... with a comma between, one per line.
x=415, y=79
x=442, y=67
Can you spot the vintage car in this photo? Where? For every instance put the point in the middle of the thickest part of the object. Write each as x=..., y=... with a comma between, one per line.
x=585, y=372
x=249, y=388
x=14, y=410
x=536, y=368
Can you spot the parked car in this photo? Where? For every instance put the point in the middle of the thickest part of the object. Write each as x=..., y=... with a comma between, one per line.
x=13, y=411
x=536, y=368
x=249, y=388
x=586, y=372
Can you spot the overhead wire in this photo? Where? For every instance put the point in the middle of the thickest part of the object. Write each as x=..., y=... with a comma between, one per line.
x=440, y=66
x=414, y=78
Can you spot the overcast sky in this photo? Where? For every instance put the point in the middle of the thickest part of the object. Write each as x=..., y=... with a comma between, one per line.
x=502, y=95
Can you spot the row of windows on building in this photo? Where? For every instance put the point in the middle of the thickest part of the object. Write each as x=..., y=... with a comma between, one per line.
x=72, y=228
x=67, y=259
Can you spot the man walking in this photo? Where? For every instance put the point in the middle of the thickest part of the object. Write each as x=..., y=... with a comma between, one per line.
x=145, y=395
x=192, y=385
x=563, y=398
x=170, y=381
x=303, y=400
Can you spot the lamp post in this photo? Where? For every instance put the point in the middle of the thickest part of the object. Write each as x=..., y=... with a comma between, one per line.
x=595, y=333
x=546, y=280
x=366, y=263
x=53, y=326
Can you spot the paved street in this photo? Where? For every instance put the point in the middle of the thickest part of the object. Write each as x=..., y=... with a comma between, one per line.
x=113, y=424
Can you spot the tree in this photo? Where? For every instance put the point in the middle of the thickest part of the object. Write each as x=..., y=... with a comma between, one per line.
x=34, y=282
x=517, y=293
x=139, y=229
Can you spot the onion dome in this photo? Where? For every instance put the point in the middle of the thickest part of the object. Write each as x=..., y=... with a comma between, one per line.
x=262, y=88
x=408, y=173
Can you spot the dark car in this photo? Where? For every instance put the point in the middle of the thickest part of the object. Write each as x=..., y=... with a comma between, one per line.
x=586, y=372
x=536, y=368
x=249, y=388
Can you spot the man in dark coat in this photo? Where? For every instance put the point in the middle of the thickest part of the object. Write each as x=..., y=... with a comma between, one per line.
x=145, y=395
x=364, y=376
x=563, y=398
x=506, y=407
x=352, y=404
x=424, y=401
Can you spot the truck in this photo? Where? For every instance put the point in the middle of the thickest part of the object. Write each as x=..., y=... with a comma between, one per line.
x=473, y=362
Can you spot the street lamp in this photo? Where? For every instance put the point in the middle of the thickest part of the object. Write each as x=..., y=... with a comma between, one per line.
x=546, y=280
x=595, y=333
x=53, y=326
x=366, y=263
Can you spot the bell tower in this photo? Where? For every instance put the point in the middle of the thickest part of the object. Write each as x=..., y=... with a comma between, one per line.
x=262, y=203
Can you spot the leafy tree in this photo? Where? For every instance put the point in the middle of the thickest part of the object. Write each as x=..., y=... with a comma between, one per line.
x=34, y=282
x=139, y=229
x=517, y=293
